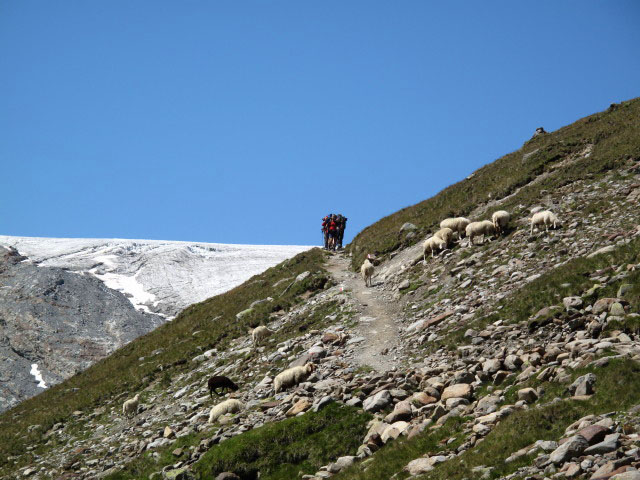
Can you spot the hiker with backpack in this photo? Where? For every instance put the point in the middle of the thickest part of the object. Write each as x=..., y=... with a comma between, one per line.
x=342, y=224
x=325, y=230
x=333, y=231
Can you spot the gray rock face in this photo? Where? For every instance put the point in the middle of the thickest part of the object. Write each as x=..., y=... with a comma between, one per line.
x=609, y=444
x=378, y=401
x=573, y=447
x=60, y=321
x=583, y=385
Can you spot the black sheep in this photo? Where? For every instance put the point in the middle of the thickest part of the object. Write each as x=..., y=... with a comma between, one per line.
x=220, y=382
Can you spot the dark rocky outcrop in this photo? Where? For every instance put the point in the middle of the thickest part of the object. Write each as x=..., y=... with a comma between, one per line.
x=60, y=320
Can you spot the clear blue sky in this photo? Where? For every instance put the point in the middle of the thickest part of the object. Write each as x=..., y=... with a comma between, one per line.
x=246, y=122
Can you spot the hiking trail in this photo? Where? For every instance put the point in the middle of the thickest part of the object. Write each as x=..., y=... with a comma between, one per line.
x=376, y=323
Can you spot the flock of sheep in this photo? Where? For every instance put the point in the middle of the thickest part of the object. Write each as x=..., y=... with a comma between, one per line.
x=462, y=227
x=441, y=240
x=285, y=379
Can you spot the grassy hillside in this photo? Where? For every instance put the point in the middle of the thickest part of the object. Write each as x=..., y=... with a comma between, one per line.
x=611, y=137
x=165, y=351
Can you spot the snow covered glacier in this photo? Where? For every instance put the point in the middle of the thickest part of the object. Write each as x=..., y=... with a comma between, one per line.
x=66, y=303
x=158, y=276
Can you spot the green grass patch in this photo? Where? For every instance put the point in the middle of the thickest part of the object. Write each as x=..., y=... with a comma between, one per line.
x=394, y=456
x=279, y=451
x=144, y=464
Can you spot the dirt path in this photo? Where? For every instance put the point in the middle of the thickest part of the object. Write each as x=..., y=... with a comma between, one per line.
x=376, y=325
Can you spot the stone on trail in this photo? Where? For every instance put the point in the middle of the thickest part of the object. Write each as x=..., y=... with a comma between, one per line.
x=572, y=302
x=624, y=288
x=607, y=249
x=629, y=475
x=422, y=399
x=300, y=406
x=244, y=313
x=583, y=385
x=593, y=433
x=302, y=276
x=377, y=402
x=227, y=476
x=609, y=444
x=617, y=310
x=341, y=463
x=529, y=395
x=603, y=304
x=408, y=226
x=418, y=466
x=394, y=431
x=573, y=447
x=461, y=390
x=402, y=411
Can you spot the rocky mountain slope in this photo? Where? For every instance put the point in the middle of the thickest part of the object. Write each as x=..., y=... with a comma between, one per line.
x=66, y=303
x=55, y=323
x=162, y=277
x=516, y=358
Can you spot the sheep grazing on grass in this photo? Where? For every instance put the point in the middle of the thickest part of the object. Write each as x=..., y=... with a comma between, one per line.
x=231, y=405
x=130, y=407
x=500, y=220
x=292, y=376
x=446, y=235
x=477, y=229
x=220, y=382
x=432, y=244
x=367, y=272
x=260, y=333
x=546, y=218
x=458, y=225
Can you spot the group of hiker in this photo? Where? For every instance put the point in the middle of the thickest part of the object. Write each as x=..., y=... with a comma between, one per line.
x=333, y=226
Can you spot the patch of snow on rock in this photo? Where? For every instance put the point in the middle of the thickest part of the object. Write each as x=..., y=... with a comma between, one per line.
x=36, y=373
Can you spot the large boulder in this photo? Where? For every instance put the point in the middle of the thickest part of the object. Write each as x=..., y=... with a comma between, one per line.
x=377, y=402
x=492, y=365
x=583, y=385
x=573, y=447
x=603, y=305
x=572, y=302
x=460, y=390
x=529, y=395
x=593, y=433
x=402, y=411
x=418, y=466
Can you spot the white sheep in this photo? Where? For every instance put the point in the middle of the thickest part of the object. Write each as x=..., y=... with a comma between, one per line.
x=367, y=272
x=500, y=220
x=130, y=407
x=292, y=376
x=546, y=218
x=231, y=405
x=260, y=333
x=446, y=235
x=432, y=244
x=483, y=228
x=458, y=225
